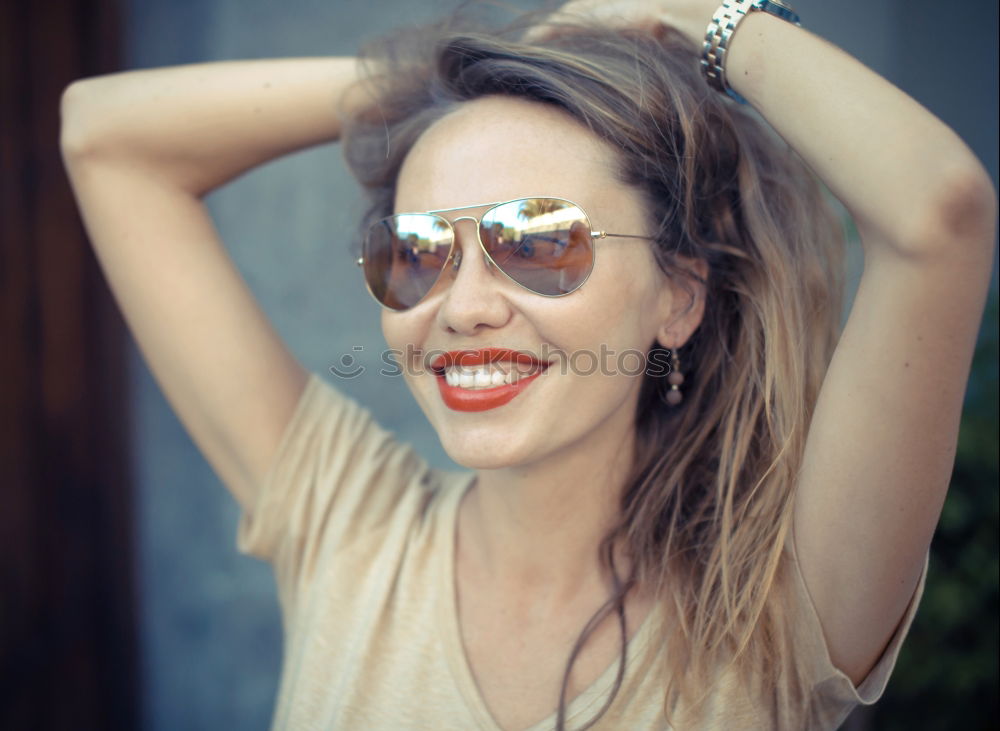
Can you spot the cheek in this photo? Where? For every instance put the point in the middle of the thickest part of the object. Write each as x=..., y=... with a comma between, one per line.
x=403, y=328
x=405, y=333
x=618, y=307
x=392, y=329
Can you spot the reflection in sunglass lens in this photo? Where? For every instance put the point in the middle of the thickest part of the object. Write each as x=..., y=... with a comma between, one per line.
x=543, y=244
x=404, y=256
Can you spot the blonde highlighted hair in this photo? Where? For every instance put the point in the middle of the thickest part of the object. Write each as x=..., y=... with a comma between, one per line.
x=706, y=510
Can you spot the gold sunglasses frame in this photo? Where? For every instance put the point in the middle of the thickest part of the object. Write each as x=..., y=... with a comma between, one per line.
x=456, y=261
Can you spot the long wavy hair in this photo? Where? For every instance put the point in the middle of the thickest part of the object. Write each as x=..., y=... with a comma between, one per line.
x=706, y=510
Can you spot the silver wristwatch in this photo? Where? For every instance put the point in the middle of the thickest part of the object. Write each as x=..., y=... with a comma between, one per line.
x=720, y=33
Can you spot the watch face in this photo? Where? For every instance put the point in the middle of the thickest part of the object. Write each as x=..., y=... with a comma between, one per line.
x=779, y=8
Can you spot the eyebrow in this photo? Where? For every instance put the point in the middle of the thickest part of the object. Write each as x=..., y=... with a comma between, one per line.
x=474, y=205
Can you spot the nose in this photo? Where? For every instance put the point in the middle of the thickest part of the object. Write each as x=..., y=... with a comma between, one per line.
x=474, y=300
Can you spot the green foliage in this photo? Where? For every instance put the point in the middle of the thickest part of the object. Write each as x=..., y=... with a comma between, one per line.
x=946, y=677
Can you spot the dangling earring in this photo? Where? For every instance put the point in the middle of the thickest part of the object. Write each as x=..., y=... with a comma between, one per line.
x=675, y=378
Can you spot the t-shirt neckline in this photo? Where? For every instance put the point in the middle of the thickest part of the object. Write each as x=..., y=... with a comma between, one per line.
x=592, y=698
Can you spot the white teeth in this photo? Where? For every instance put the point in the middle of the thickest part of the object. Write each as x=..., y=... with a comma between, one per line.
x=483, y=376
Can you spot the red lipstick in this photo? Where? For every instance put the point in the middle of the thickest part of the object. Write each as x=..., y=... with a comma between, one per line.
x=482, y=399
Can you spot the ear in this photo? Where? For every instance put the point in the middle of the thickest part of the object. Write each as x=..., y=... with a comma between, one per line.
x=682, y=302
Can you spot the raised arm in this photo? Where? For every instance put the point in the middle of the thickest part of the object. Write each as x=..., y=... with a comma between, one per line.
x=141, y=149
x=882, y=442
x=881, y=445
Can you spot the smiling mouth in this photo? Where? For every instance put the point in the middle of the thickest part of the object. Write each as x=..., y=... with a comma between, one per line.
x=478, y=380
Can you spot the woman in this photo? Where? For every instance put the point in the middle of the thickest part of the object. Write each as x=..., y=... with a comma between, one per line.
x=736, y=544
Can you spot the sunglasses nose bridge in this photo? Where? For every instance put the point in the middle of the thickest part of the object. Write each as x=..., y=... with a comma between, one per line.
x=456, y=256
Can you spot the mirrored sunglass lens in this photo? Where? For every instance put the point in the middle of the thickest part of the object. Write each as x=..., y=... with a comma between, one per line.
x=543, y=244
x=403, y=257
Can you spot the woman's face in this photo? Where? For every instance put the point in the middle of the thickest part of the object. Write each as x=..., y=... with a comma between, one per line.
x=498, y=149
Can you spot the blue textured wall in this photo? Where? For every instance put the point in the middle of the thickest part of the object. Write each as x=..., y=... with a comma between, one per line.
x=210, y=626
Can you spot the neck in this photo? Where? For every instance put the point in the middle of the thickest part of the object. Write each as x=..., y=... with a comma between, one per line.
x=534, y=530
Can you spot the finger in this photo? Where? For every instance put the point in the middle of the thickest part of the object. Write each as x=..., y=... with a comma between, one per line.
x=613, y=15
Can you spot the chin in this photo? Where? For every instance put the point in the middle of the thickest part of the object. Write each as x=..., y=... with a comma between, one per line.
x=483, y=452
x=479, y=463
x=479, y=457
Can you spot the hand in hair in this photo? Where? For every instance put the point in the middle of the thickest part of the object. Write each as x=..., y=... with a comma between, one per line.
x=688, y=16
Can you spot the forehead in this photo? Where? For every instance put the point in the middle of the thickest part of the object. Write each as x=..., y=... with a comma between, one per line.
x=500, y=148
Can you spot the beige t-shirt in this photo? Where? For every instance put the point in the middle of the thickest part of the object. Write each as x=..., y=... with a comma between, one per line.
x=361, y=534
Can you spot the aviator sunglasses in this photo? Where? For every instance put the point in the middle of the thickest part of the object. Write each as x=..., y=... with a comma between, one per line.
x=546, y=245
